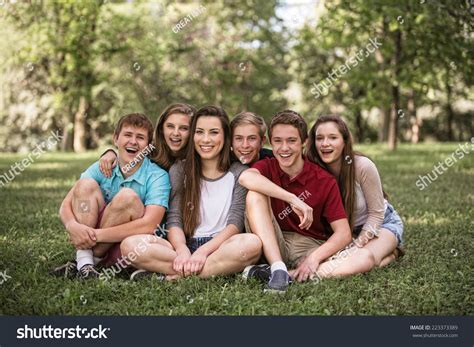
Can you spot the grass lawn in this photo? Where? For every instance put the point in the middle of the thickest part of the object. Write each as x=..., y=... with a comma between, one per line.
x=435, y=277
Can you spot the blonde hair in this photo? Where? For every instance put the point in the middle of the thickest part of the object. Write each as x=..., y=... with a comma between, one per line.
x=249, y=118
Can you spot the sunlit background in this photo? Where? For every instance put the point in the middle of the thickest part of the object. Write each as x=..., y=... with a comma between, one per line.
x=75, y=67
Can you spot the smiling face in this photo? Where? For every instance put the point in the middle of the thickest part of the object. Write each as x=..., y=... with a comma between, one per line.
x=130, y=142
x=209, y=137
x=287, y=147
x=247, y=143
x=176, y=131
x=329, y=142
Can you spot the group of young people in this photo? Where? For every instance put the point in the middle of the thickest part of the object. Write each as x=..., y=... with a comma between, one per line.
x=310, y=208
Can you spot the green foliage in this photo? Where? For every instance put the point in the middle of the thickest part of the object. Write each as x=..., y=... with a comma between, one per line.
x=125, y=57
x=436, y=46
x=433, y=278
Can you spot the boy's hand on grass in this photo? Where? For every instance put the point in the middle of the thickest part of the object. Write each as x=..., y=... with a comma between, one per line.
x=107, y=162
x=306, y=269
x=180, y=261
x=304, y=212
x=195, y=264
x=81, y=236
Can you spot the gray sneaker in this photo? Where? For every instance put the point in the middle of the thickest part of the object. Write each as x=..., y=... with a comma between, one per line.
x=260, y=272
x=68, y=270
x=87, y=272
x=144, y=274
x=278, y=283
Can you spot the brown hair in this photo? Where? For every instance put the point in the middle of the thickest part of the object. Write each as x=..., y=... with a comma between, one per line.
x=162, y=154
x=346, y=179
x=191, y=190
x=138, y=120
x=249, y=118
x=291, y=118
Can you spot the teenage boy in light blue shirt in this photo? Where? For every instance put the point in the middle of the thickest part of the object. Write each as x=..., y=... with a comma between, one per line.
x=100, y=212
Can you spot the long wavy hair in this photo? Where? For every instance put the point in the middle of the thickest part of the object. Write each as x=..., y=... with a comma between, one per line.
x=346, y=180
x=162, y=154
x=191, y=189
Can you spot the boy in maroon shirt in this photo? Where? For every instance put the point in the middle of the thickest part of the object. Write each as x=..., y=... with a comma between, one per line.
x=289, y=201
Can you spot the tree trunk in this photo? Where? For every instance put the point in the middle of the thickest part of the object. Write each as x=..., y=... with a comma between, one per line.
x=67, y=131
x=66, y=141
x=414, y=119
x=395, y=105
x=384, y=122
x=359, y=123
x=449, y=109
x=393, y=126
x=80, y=126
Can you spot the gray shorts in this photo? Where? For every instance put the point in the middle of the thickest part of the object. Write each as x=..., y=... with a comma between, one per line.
x=391, y=221
x=293, y=246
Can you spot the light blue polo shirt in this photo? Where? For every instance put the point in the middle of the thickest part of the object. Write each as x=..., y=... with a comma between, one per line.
x=150, y=182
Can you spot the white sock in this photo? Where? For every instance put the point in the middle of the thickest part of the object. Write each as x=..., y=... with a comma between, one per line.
x=97, y=260
x=278, y=265
x=84, y=257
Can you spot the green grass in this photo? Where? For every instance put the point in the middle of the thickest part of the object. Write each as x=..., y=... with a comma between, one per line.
x=434, y=278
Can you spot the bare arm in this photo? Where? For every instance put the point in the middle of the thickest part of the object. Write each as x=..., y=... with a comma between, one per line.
x=253, y=180
x=81, y=236
x=65, y=211
x=107, y=162
x=338, y=240
x=209, y=247
x=371, y=185
x=144, y=225
x=178, y=241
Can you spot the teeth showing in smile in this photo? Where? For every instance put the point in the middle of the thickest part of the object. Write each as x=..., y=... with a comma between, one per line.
x=206, y=148
x=285, y=155
x=131, y=150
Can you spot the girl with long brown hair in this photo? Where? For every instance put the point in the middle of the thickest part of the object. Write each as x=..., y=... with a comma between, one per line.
x=169, y=140
x=206, y=215
x=376, y=226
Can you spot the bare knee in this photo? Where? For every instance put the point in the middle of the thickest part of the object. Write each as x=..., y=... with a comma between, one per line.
x=254, y=245
x=130, y=246
x=86, y=187
x=127, y=199
x=249, y=246
x=366, y=259
x=254, y=198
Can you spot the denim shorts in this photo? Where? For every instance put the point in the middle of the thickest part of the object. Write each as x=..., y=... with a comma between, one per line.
x=391, y=221
x=195, y=242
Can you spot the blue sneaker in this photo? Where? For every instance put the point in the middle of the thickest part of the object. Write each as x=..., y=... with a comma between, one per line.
x=261, y=272
x=278, y=283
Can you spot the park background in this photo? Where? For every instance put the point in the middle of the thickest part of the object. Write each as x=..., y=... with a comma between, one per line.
x=74, y=67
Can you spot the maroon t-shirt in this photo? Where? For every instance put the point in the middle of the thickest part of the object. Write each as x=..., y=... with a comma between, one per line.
x=315, y=186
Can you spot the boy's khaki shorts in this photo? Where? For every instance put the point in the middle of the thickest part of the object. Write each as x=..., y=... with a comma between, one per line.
x=293, y=246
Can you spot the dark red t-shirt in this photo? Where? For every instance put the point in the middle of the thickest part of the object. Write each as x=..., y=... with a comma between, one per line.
x=315, y=186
